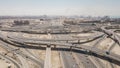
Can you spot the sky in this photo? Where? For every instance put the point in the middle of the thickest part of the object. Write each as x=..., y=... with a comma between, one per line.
x=60, y=7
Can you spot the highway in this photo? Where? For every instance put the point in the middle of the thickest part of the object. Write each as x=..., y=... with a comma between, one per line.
x=47, y=63
x=84, y=60
x=17, y=65
x=68, y=60
x=91, y=49
x=78, y=55
x=7, y=46
x=96, y=62
x=63, y=39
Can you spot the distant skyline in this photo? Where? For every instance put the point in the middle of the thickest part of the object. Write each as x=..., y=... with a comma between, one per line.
x=60, y=7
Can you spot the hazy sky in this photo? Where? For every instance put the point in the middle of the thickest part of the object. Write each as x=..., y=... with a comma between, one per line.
x=60, y=7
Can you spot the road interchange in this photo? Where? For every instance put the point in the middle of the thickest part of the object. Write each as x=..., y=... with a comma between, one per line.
x=71, y=46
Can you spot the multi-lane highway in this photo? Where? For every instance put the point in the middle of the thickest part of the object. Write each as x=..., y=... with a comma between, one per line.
x=75, y=53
